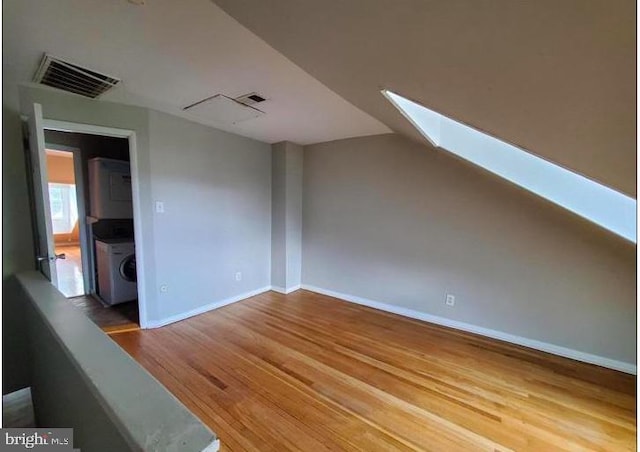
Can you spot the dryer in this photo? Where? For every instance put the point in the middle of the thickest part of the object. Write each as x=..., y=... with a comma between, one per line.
x=116, y=266
x=110, y=189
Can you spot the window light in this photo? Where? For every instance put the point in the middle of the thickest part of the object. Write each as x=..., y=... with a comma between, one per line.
x=64, y=208
x=589, y=199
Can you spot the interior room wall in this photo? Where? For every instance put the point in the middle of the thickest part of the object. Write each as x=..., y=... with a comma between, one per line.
x=17, y=235
x=60, y=169
x=216, y=190
x=286, y=216
x=17, y=241
x=278, y=217
x=294, y=177
x=392, y=221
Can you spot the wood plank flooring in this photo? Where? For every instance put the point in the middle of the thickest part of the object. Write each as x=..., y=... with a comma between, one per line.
x=313, y=373
x=111, y=319
x=69, y=270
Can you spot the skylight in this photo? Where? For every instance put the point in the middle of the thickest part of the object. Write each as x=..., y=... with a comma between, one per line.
x=589, y=199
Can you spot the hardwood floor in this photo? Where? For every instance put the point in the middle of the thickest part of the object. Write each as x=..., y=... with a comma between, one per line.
x=111, y=319
x=69, y=270
x=310, y=372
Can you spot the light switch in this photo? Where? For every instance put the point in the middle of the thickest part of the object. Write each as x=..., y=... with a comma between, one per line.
x=159, y=206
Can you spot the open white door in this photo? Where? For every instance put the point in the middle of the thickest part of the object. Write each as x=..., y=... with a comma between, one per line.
x=45, y=246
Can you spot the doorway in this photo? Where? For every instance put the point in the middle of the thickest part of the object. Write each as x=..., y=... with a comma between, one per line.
x=66, y=225
x=65, y=197
x=106, y=239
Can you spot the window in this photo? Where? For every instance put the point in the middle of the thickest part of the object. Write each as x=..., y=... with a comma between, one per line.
x=589, y=199
x=64, y=207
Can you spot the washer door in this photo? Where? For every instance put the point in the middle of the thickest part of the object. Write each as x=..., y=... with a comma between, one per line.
x=128, y=268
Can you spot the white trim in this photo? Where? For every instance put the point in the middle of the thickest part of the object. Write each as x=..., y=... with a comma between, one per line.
x=91, y=129
x=206, y=308
x=213, y=447
x=284, y=291
x=65, y=126
x=531, y=343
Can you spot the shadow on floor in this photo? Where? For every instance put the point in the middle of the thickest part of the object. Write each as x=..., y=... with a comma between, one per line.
x=123, y=316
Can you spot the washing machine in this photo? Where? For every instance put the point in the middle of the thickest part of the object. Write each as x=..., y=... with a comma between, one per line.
x=116, y=267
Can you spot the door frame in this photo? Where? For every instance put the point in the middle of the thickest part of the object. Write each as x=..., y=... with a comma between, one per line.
x=130, y=135
x=85, y=242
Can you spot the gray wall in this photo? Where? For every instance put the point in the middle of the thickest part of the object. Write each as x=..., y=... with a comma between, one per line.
x=396, y=222
x=286, y=215
x=279, y=215
x=294, y=169
x=17, y=238
x=216, y=189
x=17, y=241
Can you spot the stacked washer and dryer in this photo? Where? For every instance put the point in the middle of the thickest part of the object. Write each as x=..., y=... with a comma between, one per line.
x=111, y=199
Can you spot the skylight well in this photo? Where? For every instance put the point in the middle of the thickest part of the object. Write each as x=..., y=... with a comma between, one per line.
x=607, y=208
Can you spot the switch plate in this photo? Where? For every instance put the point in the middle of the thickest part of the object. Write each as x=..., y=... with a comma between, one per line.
x=238, y=276
x=164, y=288
x=450, y=300
x=160, y=206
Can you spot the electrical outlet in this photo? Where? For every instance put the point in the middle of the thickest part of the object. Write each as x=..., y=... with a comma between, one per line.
x=450, y=300
x=164, y=288
x=238, y=276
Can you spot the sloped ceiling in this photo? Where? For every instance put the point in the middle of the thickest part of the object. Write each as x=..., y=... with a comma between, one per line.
x=557, y=78
x=170, y=54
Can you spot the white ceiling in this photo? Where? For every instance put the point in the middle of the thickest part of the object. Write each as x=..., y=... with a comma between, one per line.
x=170, y=54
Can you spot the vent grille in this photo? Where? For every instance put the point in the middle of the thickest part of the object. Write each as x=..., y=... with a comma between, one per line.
x=69, y=77
x=250, y=99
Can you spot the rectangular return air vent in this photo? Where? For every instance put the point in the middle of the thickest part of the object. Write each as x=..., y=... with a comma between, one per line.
x=69, y=77
x=250, y=99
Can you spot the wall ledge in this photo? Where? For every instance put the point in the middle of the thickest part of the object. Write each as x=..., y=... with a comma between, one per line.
x=77, y=381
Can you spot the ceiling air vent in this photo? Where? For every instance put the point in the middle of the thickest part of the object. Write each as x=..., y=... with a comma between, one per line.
x=72, y=78
x=250, y=99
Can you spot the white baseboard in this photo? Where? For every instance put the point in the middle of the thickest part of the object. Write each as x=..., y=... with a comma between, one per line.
x=531, y=343
x=205, y=308
x=285, y=291
x=213, y=447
